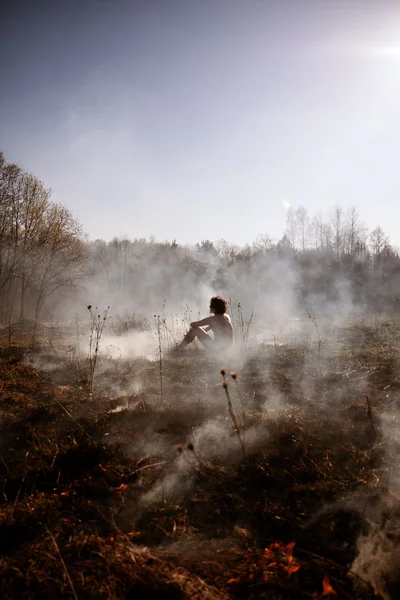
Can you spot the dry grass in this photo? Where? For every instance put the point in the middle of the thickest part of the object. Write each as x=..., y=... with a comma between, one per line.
x=96, y=502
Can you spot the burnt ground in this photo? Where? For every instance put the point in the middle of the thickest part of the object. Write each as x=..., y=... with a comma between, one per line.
x=133, y=492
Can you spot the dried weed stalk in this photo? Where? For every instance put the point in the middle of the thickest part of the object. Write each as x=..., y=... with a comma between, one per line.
x=241, y=327
x=234, y=376
x=158, y=323
x=232, y=412
x=67, y=575
x=314, y=322
x=97, y=324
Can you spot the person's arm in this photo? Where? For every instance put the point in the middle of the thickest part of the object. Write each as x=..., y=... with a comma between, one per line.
x=205, y=321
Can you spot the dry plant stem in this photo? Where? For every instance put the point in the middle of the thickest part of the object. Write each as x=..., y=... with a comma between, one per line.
x=232, y=314
x=63, y=564
x=319, y=340
x=5, y=464
x=240, y=400
x=276, y=347
x=160, y=357
x=163, y=462
x=369, y=413
x=17, y=496
x=77, y=349
x=389, y=439
x=233, y=417
x=241, y=321
x=315, y=325
x=170, y=333
x=73, y=418
x=240, y=327
x=96, y=330
x=246, y=333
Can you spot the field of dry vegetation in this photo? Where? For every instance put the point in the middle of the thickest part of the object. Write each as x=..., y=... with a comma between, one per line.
x=283, y=485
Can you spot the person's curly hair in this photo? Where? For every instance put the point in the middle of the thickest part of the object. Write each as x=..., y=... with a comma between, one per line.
x=219, y=305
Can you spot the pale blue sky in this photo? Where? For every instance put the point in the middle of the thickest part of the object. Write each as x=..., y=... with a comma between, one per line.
x=194, y=119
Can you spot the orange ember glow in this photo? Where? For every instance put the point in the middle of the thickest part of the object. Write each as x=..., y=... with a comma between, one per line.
x=280, y=558
x=327, y=589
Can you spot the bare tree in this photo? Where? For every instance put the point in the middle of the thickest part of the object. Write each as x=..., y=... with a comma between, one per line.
x=337, y=224
x=303, y=227
x=60, y=254
x=263, y=244
x=291, y=230
x=11, y=184
x=35, y=204
x=379, y=243
x=40, y=242
x=354, y=235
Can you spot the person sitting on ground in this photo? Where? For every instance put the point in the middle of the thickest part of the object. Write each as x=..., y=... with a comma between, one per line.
x=219, y=323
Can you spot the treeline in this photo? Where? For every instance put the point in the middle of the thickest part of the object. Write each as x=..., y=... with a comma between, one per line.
x=273, y=275
x=340, y=233
x=323, y=262
x=48, y=268
x=42, y=249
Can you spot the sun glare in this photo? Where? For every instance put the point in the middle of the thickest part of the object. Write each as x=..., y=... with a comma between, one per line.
x=389, y=51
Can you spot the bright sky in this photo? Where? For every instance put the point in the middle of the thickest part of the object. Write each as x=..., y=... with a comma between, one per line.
x=195, y=119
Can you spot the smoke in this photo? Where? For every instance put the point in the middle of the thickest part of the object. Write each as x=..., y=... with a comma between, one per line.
x=211, y=441
x=298, y=362
x=378, y=560
x=129, y=345
x=268, y=285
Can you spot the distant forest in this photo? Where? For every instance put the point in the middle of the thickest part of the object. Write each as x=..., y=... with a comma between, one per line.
x=48, y=266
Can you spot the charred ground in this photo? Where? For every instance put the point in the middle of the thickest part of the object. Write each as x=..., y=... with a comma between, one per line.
x=117, y=495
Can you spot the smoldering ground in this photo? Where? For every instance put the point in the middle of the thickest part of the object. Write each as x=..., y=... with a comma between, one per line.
x=306, y=400
x=311, y=387
x=315, y=394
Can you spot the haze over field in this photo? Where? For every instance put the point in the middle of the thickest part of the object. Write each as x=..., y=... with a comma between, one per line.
x=150, y=118
x=246, y=149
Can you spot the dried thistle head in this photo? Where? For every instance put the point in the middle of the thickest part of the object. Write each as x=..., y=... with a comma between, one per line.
x=234, y=374
x=224, y=384
x=190, y=447
x=222, y=371
x=179, y=448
